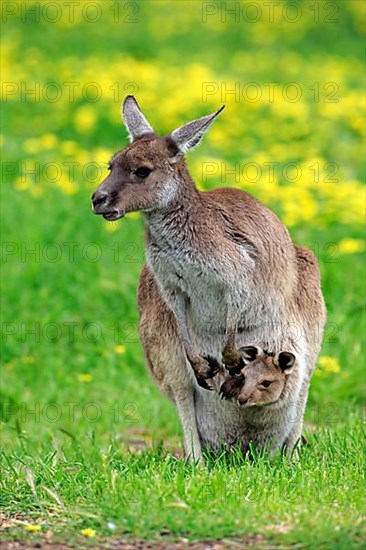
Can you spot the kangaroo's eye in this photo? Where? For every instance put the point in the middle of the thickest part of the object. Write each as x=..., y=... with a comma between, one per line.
x=266, y=383
x=142, y=172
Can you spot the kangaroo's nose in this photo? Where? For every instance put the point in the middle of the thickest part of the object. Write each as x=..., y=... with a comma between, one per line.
x=99, y=198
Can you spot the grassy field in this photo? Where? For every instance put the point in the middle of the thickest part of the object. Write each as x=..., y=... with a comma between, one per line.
x=91, y=452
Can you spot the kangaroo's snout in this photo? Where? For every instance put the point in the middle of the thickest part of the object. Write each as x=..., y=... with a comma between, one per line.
x=99, y=199
x=101, y=206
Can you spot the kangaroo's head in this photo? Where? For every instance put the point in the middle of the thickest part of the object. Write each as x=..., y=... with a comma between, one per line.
x=262, y=380
x=149, y=173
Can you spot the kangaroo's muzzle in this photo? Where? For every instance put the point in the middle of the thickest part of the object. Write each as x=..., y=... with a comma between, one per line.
x=102, y=207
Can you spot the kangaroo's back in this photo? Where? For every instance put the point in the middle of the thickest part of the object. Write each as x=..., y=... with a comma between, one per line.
x=309, y=301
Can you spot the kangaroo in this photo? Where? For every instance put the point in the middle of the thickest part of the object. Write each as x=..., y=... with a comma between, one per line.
x=221, y=271
x=263, y=388
x=263, y=379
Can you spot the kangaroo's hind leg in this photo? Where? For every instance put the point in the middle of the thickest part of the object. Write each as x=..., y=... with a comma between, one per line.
x=166, y=358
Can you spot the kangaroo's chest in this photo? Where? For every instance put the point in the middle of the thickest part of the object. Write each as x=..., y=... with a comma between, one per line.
x=209, y=279
x=184, y=273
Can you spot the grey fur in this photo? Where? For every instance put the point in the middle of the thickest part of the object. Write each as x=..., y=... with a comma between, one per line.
x=189, y=135
x=134, y=120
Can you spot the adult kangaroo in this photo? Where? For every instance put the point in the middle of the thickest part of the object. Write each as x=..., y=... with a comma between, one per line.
x=221, y=272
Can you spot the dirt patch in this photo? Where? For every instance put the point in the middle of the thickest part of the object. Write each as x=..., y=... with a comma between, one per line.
x=250, y=541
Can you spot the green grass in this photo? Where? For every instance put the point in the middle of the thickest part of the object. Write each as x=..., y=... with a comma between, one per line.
x=151, y=493
x=105, y=449
x=73, y=437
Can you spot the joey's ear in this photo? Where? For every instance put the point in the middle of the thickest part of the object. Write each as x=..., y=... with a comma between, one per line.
x=135, y=122
x=285, y=360
x=189, y=135
x=249, y=353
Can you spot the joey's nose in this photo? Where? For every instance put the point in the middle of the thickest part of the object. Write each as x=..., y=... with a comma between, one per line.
x=242, y=400
x=99, y=199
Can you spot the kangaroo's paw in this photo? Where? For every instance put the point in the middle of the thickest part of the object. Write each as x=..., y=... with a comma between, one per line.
x=231, y=387
x=214, y=365
x=204, y=368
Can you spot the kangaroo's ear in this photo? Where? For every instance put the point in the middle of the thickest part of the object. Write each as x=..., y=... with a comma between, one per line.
x=135, y=122
x=249, y=353
x=285, y=360
x=188, y=136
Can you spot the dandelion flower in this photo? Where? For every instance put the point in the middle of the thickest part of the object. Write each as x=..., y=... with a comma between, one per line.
x=32, y=528
x=133, y=215
x=327, y=365
x=48, y=141
x=350, y=246
x=88, y=532
x=69, y=147
x=85, y=119
x=85, y=377
x=111, y=226
x=120, y=349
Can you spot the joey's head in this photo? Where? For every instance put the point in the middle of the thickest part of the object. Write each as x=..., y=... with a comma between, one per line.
x=263, y=378
x=149, y=173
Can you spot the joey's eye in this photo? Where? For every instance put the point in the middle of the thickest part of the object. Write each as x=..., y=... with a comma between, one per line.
x=266, y=383
x=142, y=172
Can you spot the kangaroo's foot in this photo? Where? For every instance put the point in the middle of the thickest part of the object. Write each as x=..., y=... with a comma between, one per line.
x=204, y=368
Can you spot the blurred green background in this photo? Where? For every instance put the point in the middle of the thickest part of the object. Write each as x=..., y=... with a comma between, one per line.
x=292, y=77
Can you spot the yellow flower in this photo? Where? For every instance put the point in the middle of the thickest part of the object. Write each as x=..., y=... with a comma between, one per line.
x=88, y=532
x=327, y=365
x=133, y=215
x=350, y=246
x=102, y=156
x=85, y=119
x=21, y=183
x=120, y=349
x=85, y=377
x=32, y=528
x=69, y=147
x=111, y=226
x=48, y=141
x=68, y=187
